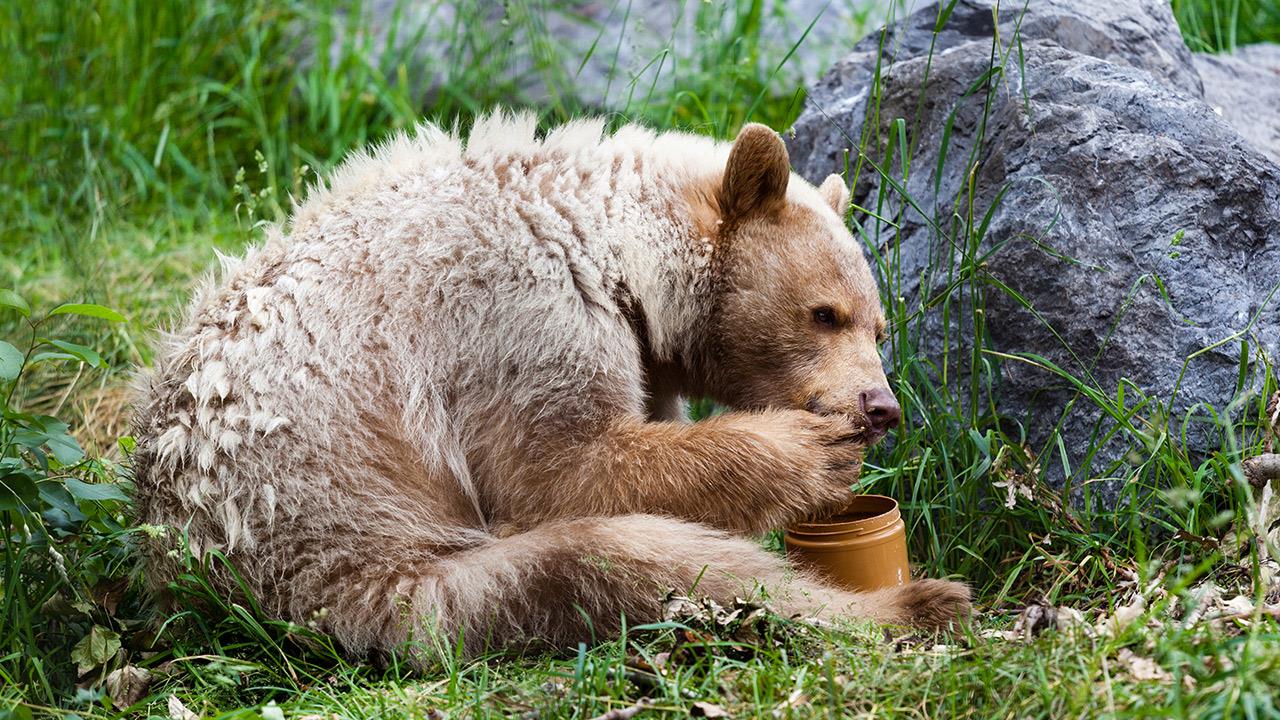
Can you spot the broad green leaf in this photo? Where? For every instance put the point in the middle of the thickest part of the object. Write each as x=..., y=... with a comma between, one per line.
x=64, y=448
x=88, y=310
x=10, y=362
x=47, y=356
x=28, y=438
x=52, y=433
x=11, y=299
x=81, y=352
x=95, y=491
x=17, y=492
x=95, y=649
x=55, y=495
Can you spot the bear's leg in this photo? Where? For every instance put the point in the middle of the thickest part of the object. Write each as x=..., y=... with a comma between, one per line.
x=572, y=581
x=742, y=471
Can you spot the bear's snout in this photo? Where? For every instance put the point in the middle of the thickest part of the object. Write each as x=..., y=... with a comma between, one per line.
x=881, y=410
x=874, y=411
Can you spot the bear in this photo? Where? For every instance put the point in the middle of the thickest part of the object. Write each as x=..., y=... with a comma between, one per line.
x=446, y=400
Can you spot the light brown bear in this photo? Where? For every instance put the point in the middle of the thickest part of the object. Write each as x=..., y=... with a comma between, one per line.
x=449, y=400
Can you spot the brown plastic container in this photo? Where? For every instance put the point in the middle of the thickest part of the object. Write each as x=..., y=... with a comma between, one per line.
x=864, y=547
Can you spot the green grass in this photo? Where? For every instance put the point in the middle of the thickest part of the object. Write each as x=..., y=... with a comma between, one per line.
x=144, y=135
x=783, y=670
x=1223, y=25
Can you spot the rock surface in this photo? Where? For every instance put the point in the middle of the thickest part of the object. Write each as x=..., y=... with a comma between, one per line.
x=1244, y=87
x=1142, y=228
x=1137, y=33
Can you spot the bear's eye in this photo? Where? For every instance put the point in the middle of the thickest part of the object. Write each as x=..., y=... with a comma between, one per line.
x=824, y=316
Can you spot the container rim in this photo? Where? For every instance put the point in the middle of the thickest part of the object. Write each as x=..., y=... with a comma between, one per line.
x=874, y=512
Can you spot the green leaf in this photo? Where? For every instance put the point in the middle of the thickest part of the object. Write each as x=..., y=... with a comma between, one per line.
x=16, y=712
x=88, y=310
x=11, y=299
x=80, y=352
x=17, y=492
x=944, y=12
x=81, y=490
x=52, y=433
x=55, y=495
x=95, y=649
x=60, y=443
x=47, y=356
x=65, y=449
x=10, y=362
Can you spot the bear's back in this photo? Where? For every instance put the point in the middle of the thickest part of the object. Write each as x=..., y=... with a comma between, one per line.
x=425, y=286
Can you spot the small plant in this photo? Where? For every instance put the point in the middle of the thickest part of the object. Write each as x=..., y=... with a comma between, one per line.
x=64, y=550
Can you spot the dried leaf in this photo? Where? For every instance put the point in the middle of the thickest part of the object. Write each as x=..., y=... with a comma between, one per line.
x=127, y=685
x=1121, y=618
x=554, y=688
x=178, y=711
x=1142, y=668
x=794, y=700
x=908, y=642
x=678, y=608
x=708, y=710
x=1072, y=619
x=1202, y=599
x=1035, y=619
x=1239, y=605
x=997, y=634
x=109, y=594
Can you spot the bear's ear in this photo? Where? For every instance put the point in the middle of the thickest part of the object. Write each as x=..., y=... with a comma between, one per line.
x=836, y=193
x=755, y=178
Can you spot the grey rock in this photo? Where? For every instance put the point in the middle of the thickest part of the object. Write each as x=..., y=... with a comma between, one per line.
x=1139, y=225
x=1137, y=33
x=1244, y=87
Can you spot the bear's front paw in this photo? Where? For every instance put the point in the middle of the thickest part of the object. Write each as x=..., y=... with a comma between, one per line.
x=828, y=456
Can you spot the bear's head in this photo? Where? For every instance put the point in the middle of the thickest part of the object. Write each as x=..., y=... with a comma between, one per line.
x=797, y=321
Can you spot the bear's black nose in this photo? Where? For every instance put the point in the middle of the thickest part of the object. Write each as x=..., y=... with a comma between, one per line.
x=881, y=409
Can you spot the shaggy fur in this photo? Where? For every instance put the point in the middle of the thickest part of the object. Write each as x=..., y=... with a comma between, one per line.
x=449, y=399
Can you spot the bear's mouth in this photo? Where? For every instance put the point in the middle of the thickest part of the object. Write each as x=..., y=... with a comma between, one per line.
x=870, y=435
x=864, y=431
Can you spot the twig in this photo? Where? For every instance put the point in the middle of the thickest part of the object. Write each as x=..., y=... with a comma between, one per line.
x=626, y=713
x=1273, y=421
x=72, y=386
x=1271, y=611
x=1261, y=469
